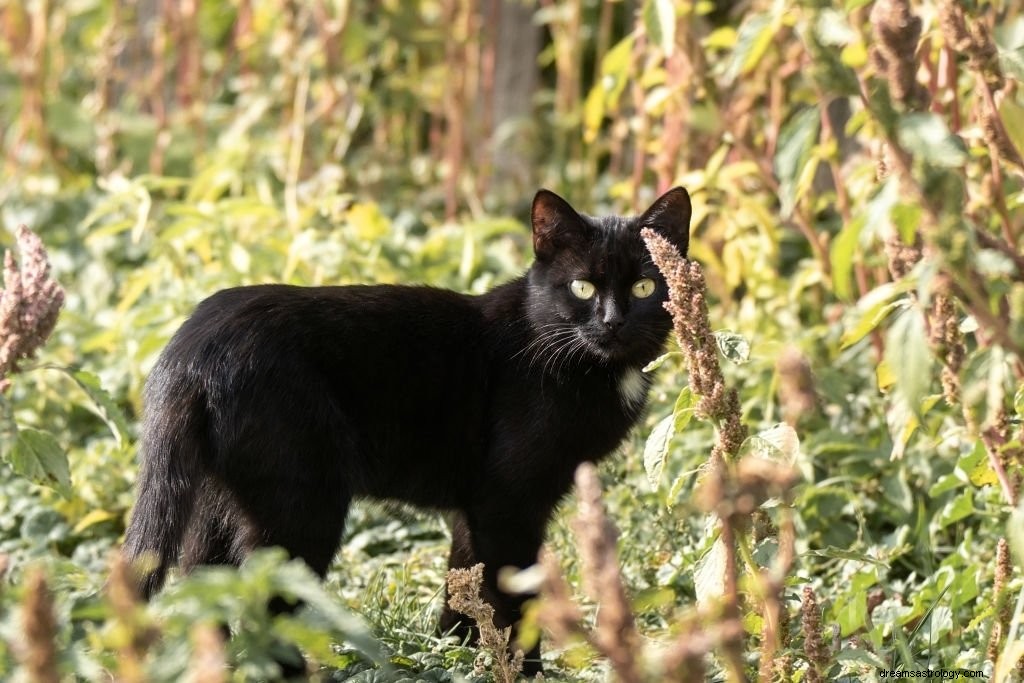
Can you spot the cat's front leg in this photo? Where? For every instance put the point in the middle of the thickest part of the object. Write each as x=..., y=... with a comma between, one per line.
x=496, y=541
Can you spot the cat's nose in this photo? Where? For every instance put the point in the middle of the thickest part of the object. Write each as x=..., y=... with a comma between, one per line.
x=613, y=320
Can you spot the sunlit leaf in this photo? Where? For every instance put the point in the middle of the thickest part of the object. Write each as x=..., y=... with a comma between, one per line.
x=928, y=136
x=36, y=455
x=733, y=346
x=906, y=351
x=660, y=22
x=656, y=449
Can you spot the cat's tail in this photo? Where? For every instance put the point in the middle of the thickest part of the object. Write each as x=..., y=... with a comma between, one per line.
x=173, y=441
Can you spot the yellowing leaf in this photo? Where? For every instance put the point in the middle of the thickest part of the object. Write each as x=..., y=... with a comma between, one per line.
x=92, y=518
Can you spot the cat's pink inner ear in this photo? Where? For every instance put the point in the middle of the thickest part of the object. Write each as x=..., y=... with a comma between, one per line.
x=550, y=215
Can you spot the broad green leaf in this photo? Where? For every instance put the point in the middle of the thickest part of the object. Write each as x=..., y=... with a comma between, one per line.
x=752, y=41
x=1012, y=63
x=660, y=22
x=709, y=575
x=656, y=449
x=906, y=351
x=103, y=403
x=684, y=407
x=36, y=455
x=842, y=251
x=869, y=320
x=928, y=136
x=733, y=346
x=780, y=443
x=796, y=140
x=960, y=507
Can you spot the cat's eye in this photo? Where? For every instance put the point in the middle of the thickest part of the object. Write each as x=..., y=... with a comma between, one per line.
x=643, y=288
x=581, y=289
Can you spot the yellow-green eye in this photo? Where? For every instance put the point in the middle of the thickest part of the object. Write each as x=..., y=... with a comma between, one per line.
x=643, y=288
x=581, y=289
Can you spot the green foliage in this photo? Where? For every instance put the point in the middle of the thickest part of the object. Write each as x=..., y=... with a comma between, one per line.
x=311, y=149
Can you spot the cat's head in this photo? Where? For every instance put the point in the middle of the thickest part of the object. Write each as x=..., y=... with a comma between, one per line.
x=594, y=292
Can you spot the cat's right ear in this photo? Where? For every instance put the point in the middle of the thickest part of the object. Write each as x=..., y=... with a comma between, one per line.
x=554, y=223
x=669, y=216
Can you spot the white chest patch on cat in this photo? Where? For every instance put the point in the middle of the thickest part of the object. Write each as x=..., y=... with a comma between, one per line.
x=632, y=388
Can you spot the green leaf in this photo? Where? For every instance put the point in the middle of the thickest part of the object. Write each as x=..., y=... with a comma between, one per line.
x=796, y=140
x=752, y=41
x=869, y=320
x=842, y=251
x=906, y=350
x=709, y=575
x=660, y=22
x=656, y=449
x=960, y=507
x=683, y=408
x=1012, y=63
x=102, y=402
x=660, y=360
x=1012, y=115
x=733, y=346
x=834, y=553
x=36, y=455
x=928, y=135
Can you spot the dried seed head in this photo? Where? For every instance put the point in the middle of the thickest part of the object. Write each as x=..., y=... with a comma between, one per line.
x=689, y=310
x=29, y=304
x=40, y=628
x=464, y=596
x=796, y=385
x=209, y=664
x=814, y=648
x=894, y=55
x=616, y=634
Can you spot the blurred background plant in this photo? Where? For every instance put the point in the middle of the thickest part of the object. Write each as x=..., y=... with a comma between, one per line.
x=856, y=176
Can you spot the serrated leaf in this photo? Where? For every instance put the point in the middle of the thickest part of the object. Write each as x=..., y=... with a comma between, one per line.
x=36, y=455
x=733, y=346
x=103, y=403
x=656, y=449
x=927, y=135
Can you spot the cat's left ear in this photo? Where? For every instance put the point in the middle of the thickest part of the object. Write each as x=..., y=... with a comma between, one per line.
x=555, y=224
x=669, y=216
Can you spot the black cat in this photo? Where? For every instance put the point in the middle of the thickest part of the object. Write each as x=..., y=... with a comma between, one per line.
x=274, y=406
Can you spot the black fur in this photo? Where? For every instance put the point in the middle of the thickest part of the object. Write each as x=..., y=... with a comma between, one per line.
x=274, y=406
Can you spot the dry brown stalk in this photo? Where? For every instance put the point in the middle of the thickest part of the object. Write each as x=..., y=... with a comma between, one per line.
x=208, y=664
x=1000, y=599
x=616, y=636
x=40, y=625
x=132, y=634
x=796, y=386
x=818, y=655
x=29, y=304
x=893, y=54
x=464, y=597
